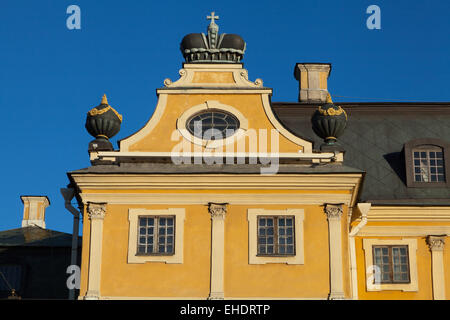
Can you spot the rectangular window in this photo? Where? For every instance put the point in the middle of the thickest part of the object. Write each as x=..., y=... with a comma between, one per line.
x=276, y=235
x=429, y=165
x=156, y=235
x=392, y=263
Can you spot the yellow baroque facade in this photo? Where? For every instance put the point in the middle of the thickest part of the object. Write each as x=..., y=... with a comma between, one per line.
x=178, y=212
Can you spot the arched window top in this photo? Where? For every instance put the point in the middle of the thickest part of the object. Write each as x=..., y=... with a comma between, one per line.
x=427, y=163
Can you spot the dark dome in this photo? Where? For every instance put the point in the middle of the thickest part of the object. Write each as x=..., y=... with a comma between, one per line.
x=232, y=41
x=192, y=40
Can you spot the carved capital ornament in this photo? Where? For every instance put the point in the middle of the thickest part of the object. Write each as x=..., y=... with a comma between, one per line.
x=96, y=210
x=436, y=243
x=333, y=211
x=217, y=210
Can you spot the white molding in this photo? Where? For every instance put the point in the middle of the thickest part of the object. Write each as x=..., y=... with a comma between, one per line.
x=218, y=181
x=211, y=144
x=96, y=214
x=298, y=258
x=202, y=198
x=239, y=75
x=408, y=213
x=334, y=216
x=368, y=254
x=133, y=215
x=436, y=244
x=218, y=214
x=406, y=231
x=307, y=146
x=125, y=143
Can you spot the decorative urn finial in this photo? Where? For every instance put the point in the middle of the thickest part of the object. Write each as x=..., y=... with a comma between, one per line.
x=212, y=47
x=102, y=122
x=329, y=122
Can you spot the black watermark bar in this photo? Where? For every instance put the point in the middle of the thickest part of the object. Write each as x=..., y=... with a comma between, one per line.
x=222, y=309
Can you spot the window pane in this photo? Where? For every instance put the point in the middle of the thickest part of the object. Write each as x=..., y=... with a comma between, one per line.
x=148, y=243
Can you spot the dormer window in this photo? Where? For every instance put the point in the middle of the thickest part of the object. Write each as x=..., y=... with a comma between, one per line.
x=427, y=163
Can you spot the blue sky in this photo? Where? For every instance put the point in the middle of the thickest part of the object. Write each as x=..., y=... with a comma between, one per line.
x=51, y=76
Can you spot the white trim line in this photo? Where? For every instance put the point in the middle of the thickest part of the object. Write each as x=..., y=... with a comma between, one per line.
x=197, y=198
x=299, y=155
x=406, y=231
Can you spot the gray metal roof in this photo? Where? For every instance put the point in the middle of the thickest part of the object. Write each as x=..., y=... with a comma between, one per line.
x=34, y=236
x=374, y=139
x=171, y=168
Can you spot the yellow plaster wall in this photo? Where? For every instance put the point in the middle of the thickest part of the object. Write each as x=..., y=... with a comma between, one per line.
x=155, y=279
x=151, y=279
x=250, y=105
x=213, y=77
x=276, y=280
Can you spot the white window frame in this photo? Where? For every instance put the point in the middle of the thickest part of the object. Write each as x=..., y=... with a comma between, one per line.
x=412, y=255
x=212, y=105
x=133, y=218
x=252, y=217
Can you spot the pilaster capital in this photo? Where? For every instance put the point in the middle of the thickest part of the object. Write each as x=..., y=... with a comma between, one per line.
x=96, y=210
x=436, y=243
x=217, y=210
x=333, y=211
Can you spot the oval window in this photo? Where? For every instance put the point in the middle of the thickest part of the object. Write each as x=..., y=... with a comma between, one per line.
x=212, y=125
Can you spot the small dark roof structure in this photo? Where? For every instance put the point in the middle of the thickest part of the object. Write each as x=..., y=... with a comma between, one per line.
x=34, y=236
x=373, y=141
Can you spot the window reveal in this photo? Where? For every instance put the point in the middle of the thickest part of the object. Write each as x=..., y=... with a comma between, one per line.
x=156, y=235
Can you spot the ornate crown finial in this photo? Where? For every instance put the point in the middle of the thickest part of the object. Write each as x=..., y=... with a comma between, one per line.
x=104, y=100
x=329, y=98
x=212, y=47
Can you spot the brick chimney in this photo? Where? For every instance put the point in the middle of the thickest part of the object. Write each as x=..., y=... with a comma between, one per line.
x=312, y=78
x=34, y=210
